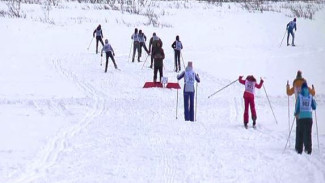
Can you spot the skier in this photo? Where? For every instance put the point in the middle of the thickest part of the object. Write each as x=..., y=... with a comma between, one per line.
x=189, y=79
x=303, y=112
x=250, y=84
x=136, y=44
x=177, y=46
x=297, y=83
x=159, y=56
x=99, y=36
x=109, y=54
x=153, y=44
x=142, y=40
x=290, y=26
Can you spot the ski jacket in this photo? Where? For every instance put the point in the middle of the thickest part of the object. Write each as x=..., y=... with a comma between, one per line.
x=250, y=85
x=107, y=48
x=296, y=87
x=305, y=104
x=135, y=37
x=153, y=42
x=177, y=45
x=292, y=25
x=98, y=32
x=142, y=38
x=189, y=79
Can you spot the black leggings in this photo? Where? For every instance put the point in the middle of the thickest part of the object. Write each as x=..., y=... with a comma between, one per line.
x=109, y=55
x=155, y=72
x=98, y=38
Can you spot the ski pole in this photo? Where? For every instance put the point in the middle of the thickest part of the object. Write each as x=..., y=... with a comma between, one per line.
x=90, y=43
x=317, y=129
x=145, y=61
x=130, y=51
x=101, y=60
x=289, y=134
x=288, y=116
x=223, y=88
x=283, y=37
x=196, y=102
x=183, y=60
x=177, y=100
x=270, y=104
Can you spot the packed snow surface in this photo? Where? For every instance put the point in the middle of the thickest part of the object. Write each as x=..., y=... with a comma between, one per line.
x=64, y=120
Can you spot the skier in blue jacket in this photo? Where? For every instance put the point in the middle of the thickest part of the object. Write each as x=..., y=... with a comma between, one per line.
x=189, y=79
x=303, y=112
x=290, y=26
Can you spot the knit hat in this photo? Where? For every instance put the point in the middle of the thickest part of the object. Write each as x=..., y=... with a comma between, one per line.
x=190, y=64
x=299, y=75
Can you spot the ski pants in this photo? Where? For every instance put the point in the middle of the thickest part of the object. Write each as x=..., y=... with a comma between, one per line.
x=109, y=55
x=177, y=59
x=99, y=39
x=293, y=36
x=249, y=102
x=155, y=72
x=143, y=44
x=303, y=135
x=136, y=47
x=189, y=106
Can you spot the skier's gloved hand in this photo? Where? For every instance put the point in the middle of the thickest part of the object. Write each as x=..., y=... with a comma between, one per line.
x=114, y=54
x=240, y=77
x=312, y=86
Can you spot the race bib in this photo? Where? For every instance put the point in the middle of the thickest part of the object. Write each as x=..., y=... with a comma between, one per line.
x=250, y=87
x=305, y=103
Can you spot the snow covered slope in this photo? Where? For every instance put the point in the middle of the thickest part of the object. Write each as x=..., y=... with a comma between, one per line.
x=64, y=120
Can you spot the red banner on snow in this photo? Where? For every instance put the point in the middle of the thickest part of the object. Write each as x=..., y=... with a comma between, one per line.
x=159, y=85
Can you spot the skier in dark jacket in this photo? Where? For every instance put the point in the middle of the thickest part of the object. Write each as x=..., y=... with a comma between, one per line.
x=177, y=46
x=142, y=40
x=249, y=95
x=303, y=112
x=136, y=44
x=108, y=49
x=159, y=56
x=153, y=44
x=290, y=26
x=99, y=36
x=189, y=79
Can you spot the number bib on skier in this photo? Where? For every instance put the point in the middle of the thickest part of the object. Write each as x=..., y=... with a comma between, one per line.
x=305, y=103
x=178, y=45
x=250, y=87
x=189, y=78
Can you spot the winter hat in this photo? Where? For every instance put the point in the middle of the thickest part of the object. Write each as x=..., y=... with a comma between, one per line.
x=106, y=41
x=177, y=38
x=190, y=64
x=154, y=34
x=304, y=85
x=299, y=75
x=294, y=19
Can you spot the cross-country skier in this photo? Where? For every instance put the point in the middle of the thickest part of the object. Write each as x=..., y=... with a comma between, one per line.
x=303, y=112
x=159, y=56
x=142, y=40
x=290, y=26
x=152, y=45
x=177, y=46
x=136, y=44
x=297, y=83
x=189, y=79
x=99, y=36
x=109, y=54
x=249, y=95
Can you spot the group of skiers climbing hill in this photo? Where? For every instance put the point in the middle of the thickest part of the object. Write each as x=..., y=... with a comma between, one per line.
x=303, y=94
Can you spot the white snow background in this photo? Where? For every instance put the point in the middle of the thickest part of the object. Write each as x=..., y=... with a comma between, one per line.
x=62, y=119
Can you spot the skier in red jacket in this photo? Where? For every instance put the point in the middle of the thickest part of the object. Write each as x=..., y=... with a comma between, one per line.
x=250, y=84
